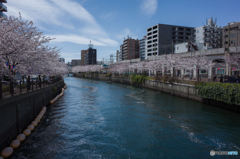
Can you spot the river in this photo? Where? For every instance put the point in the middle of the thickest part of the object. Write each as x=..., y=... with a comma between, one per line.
x=96, y=119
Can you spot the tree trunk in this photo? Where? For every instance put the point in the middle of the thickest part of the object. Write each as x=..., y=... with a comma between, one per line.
x=197, y=74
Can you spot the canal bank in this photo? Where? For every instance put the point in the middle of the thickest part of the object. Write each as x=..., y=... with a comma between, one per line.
x=176, y=89
x=98, y=119
x=17, y=112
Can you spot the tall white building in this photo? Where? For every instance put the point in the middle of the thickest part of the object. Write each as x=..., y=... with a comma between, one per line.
x=209, y=36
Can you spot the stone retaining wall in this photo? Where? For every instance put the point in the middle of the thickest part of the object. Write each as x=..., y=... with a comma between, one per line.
x=17, y=112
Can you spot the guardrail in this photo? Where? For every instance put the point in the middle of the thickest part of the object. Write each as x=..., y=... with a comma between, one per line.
x=23, y=87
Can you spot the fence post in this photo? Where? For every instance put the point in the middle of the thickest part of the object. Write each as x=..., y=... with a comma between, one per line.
x=28, y=84
x=20, y=86
x=32, y=85
x=11, y=86
x=39, y=81
x=0, y=87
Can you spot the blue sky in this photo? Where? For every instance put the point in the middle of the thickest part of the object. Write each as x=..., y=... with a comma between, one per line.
x=105, y=22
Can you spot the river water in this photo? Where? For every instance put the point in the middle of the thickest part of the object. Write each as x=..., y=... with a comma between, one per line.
x=96, y=119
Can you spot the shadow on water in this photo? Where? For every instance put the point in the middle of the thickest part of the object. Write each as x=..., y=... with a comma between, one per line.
x=97, y=119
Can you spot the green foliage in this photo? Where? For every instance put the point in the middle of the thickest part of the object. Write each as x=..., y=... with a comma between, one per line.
x=225, y=92
x=109, y=75
x=84, y=74
x=138, y=78
x=23, y=86
x=54, y=89
x=6, y=89
x=165, y=79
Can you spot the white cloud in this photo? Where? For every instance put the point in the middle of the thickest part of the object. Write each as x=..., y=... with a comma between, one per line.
x=149, y=7
x=82, y=40
x=75, y=39
x=65, y=15
x=108, y=16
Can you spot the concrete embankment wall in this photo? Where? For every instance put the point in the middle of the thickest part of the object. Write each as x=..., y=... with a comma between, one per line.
x=181, y=90
x=186, y=91
x=17, y=112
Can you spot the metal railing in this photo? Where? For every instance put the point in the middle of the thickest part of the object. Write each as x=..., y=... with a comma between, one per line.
x=20, y=87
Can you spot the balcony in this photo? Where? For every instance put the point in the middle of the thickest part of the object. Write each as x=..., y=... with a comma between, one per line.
x=3, y=15
x=3, y=1
x=3, y=8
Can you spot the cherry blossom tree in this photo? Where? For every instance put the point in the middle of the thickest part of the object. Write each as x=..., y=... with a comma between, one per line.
x=198, y=62
x=24, y=50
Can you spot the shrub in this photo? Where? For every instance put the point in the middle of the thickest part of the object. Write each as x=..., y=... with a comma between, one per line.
x=6, y=89
x=22, y=85
x=165, y=78
x=225, y=92
x=138, y=78
x=109, y=75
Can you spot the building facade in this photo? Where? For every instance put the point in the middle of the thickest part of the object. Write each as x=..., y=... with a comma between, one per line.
x=185, y=47
x=83, y=55
x=120, y=55
x=89, y=56
x=208, y=36
x=62, y=60
x=76, y=62
x=231, y=35
x=130, y=49
x=162, y=37
x=3, y=8
x=142, y=49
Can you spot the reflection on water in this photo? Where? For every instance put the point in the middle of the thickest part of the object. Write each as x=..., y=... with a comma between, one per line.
x=97, y=119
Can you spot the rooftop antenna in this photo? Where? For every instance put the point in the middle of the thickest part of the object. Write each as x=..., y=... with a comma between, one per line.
x=90, y=45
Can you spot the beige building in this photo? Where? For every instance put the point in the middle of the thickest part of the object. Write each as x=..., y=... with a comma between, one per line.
x=231, y=35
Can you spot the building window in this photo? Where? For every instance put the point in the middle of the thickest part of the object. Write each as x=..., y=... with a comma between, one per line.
x=203, y=71
x=220, y=71
x=232, y=35
x=197, y=31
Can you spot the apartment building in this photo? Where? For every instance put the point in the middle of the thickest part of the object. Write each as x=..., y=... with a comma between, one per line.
x=3, y=8
x=120, y=54
x=231, y=35
x=208, y=36
x=130, y=49
x=142, y=49
x=76, y=62
x=162, y=37
x=83, y=54
x=89, y=56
